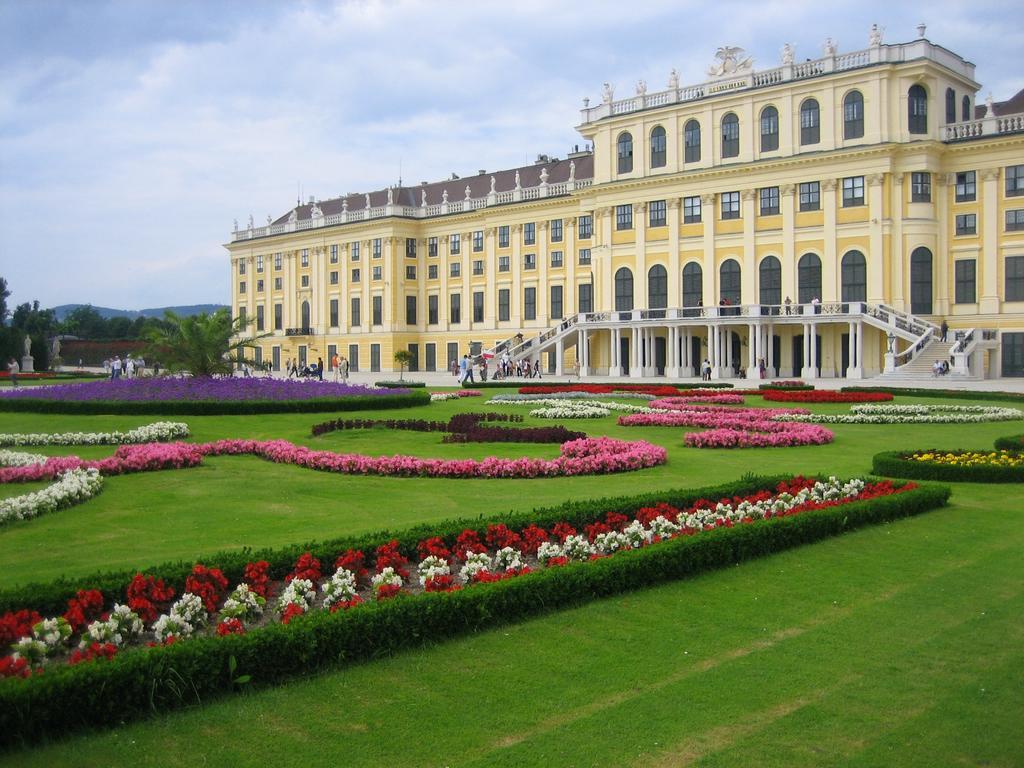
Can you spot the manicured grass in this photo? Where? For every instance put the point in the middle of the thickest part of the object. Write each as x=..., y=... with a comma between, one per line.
x=894, y=645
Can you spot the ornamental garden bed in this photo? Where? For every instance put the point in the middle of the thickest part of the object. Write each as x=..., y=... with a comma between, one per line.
x=462, y=428
x=788, y=386
x=1010, y=443
x=910, y=414
x=810, y=395
x=510, y=568
x=950, y=394
x=206, y=396
x=964, y=466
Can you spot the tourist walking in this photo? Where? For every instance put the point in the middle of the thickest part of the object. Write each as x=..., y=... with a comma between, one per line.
x=344, y=368
x=13, y=369
x=943, y=330
x=115, y=369
x=320, y=368
x=335, y=367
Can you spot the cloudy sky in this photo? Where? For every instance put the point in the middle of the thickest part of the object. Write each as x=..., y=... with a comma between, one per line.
x=132, y=133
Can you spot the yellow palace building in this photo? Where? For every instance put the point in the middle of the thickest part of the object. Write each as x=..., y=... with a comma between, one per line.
x=825, y=217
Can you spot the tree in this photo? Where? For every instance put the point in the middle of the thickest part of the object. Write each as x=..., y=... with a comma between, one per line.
x=402, y=357
x=203, y=344
x=5, y=293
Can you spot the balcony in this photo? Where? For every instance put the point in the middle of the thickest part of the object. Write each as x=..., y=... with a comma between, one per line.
x=306, y=331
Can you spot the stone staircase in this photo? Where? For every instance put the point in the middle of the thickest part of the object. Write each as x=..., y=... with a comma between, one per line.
x=920, y=366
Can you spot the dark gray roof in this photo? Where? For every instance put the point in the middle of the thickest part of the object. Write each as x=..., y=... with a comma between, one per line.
x=1012, y=106
x=479, y=186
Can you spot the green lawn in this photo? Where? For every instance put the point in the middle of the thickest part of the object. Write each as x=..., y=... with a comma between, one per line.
x=895, y=645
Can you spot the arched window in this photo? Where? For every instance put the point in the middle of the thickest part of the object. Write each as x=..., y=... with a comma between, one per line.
x=625, y=153
x=657, y=287
x=305, y=314
x=729, y=282
x=693, y=285
x=921, y=281
x=917, y=109
x=623, y=290
x=770, y=280
x=965, y=112
x=769, y=129
x=854, y=286
x=853, y=115
x=950, y=105
x=658, y=147
x=730, y=136
x=810, y=122
x=691, y=142
x=808, y=278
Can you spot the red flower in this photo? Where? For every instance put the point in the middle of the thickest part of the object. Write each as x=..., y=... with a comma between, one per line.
x=388, y=555
x=306, y=567
x=344, y=605
x=15, y=625
x=209, y=584
x=83, y=608
x=12, y=667
x=443, y=583
x=433, y=546
x=290, y=612
x=230, y=627
x=93, y=652
x=256, y=577
x=468, y=541
x=593, y=530
x=387, y=591
x=149, y=597
x=500, y=536
x=616, y=521
x=355, y=561
x=533, y=537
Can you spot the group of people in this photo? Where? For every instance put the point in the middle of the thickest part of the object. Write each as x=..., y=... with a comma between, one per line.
x=128, y=368
x=521, y=368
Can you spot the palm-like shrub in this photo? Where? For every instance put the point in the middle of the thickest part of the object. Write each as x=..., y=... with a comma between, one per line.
x=202, y=344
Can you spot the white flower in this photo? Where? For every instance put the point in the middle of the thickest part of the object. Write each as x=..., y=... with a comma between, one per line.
x=168, y=626
x=243, y=604
x=190, y=608
x=611, y=542
x=432, y=566
x=341, y=586
x=577, y=547
x=71, y=487
x=388, y=576
x=160, y=431
x=30, y=649
x=475, y=563
x=548, y=550
x=52, y=632
x=300, y=592
x=509, y=559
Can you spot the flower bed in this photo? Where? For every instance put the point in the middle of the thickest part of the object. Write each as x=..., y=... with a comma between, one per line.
x=126, y=459
x=601, y=389
x=214, y=395
x=566, y=406
x=160, y=431
x=910, y=414
x=436, y=397
x=791, y=385
x=462, y=428
x=789, y=395
x=965, y=466
x=72, y=487
x=731, y=427
x=951, y=394
x=561, y=557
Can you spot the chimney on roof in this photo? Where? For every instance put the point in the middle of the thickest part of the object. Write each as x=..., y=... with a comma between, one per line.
x=482, y=172
x=454, y=176
x=541, y=159
x=424, y=183
x=311, y=199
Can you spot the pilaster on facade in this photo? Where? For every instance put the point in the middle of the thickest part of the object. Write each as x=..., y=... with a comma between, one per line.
x=709, y=215
x=896, y=249
x=749, y=258
x=876, y=215
x=990, y=219
x=541, y=265
x=640, y=279
x=674, y=266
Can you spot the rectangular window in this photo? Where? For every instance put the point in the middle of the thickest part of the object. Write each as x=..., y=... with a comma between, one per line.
x=1014, y=272
x=259, y=263
x=304, y=281
x=478, y=306
x=354, y=251
x=769, y=201
x=556, y=302
x=530, y=303
x=556, y=230
x=304, y=257
x=241, y=316
x=964, y=281
x=377, y=272
x=478, y=266
x=334, y=277
x=374, y=358
x=657, y=214
x=277, y=261
x=432, y=272
x=1015, y=220
x=920, y=187
x=585, y=227
x=431, y=247
x=455, y=308
x=334, y=254
x=586, y=297
x=503, y=303
x=376, y=248
x=356, y=275
x=278, y=317
x=410, y=247
x=432, y=309
x=556, y=259
x=241, y=287
x=1014, y=181
x=529, y=233
x=853, y=191
x=259, y=286
x=353, y=357
x=503, y=238
x=503, y=264
x=478, y=241
x=278, y=282
x=355, y=311
x=410, y=272
x=260, y=312
x=455, y=244
x=333, y=313
x=691, y=210
x=967, y=224
x=241, y=267
x=455, y=269
x=529, y=261
x=810, y=196
x=377, y=310
x=584, y=256
x=966, y=186
x=623, y=217
x=730, y=205
x=410, y=310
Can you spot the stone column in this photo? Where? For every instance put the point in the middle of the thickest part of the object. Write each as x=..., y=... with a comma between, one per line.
x=634, y=352
x=876, y=215
x=991, y=222
x=896, y=240
x=748, y=260
x=710, y=281
x=675, y=275
x=640, y=280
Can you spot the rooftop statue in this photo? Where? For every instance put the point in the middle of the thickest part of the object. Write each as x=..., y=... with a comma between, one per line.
x=673, y=79
x=293, y=216
x=391, y=196
x=641, y=87
x=875, y=35
x=829, y=47
x=543, y=175
x=493, y=183
x=788, y=53
x=607, y=94
x=731, y=61
x=444, y=196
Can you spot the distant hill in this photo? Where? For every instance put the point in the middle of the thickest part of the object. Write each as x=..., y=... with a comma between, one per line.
x=107, y=312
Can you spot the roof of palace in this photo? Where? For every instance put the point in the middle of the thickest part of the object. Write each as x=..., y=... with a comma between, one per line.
x=1012, y=106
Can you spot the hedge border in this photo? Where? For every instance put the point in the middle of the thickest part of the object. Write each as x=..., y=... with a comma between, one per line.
x=893, y=464
x=130, y=686
x=1010, y=443
x=400, y=384
x=778, y=387
x=521, y=382
x=950, y=394
x=216, y=407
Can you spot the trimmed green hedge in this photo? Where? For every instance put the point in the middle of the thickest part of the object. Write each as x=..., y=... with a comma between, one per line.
x=776, y=387
x=400, y=384
x=892, y=464
x=136, y=683
x=216, y=408
x=1010, y=443
x=951, y=394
